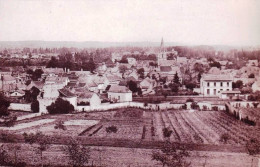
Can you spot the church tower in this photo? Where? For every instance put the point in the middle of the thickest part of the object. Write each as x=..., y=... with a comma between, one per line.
x=162, y=54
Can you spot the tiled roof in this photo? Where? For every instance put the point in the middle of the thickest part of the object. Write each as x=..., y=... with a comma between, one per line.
x=118, y=89
x=114, y=78
x=165, y=68
x=210, y=77
x=214, y=70
x=66, y=92
x=86, y=95
x=131, y=78
x=92, y=84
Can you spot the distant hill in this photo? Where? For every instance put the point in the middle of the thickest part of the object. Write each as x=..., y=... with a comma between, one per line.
x=87, y=44
x=97, y=44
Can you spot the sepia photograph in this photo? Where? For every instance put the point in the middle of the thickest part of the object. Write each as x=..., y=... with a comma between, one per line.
x=129, y=83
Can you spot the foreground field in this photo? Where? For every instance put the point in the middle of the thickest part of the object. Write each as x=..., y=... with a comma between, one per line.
x=199, y=127
x=134, y=157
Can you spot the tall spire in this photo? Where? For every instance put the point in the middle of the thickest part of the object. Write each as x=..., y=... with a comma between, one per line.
x=162, y=45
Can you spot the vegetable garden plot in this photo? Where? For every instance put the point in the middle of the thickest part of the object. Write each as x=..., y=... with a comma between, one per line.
x=28, y=124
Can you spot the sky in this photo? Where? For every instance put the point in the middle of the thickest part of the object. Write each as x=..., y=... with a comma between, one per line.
x=195, y=22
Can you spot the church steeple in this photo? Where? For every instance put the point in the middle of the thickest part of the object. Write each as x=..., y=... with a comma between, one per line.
x=162, y=55
x=162, y=46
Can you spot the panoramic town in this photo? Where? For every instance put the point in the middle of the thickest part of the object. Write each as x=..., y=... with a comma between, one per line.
x=129, y=104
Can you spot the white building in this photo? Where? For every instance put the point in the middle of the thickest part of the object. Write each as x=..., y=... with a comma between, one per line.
x=131, y=61
x=213, y=85
x=118, y=93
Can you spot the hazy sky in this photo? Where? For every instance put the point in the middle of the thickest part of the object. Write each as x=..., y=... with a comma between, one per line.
x=232, y=22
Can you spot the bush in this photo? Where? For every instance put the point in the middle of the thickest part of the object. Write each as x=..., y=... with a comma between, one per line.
x=4, y=104
x=167, y=132
x=7, y=137
x=35, y=106
x=194, y=105
x=190, y=100
x=251, y=75
x=224, y=138
x=111, y=129
x=10, y=121
x=253, y=146
x=32, y=138
x=60, y=106
x=60, y=125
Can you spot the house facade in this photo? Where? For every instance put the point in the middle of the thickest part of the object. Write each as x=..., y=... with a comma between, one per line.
x=119, y=94
x=213, y=85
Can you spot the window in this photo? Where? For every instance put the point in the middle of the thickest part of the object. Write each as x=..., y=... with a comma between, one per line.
x=208, y=84
x=215, y=91
x=215, y=84
x=227, y=89
x=227, y=83
x=208, y=91
x=221, y=83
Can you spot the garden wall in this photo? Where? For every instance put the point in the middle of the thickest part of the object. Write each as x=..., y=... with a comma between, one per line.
x=20, y=106
x=161, y=106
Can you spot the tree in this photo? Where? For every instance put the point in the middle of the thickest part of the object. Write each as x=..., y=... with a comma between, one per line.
x=37, y=74
x=78, y=154
x=199, y=77
x=60, y=106
x=237, y=84
x=153, y=64
x=215, y=64
x=176, y=78
x=133, y=86
x=174, y=87
x=190, y=85
x=141, y=72
x=122, y=69
x=198, y=68
x=123, y=60
x=31, y=95
x=251, y=76
x=53, y=63
x=172, y=154
x=4, y=104
x=35, y=106
x=91, y=65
